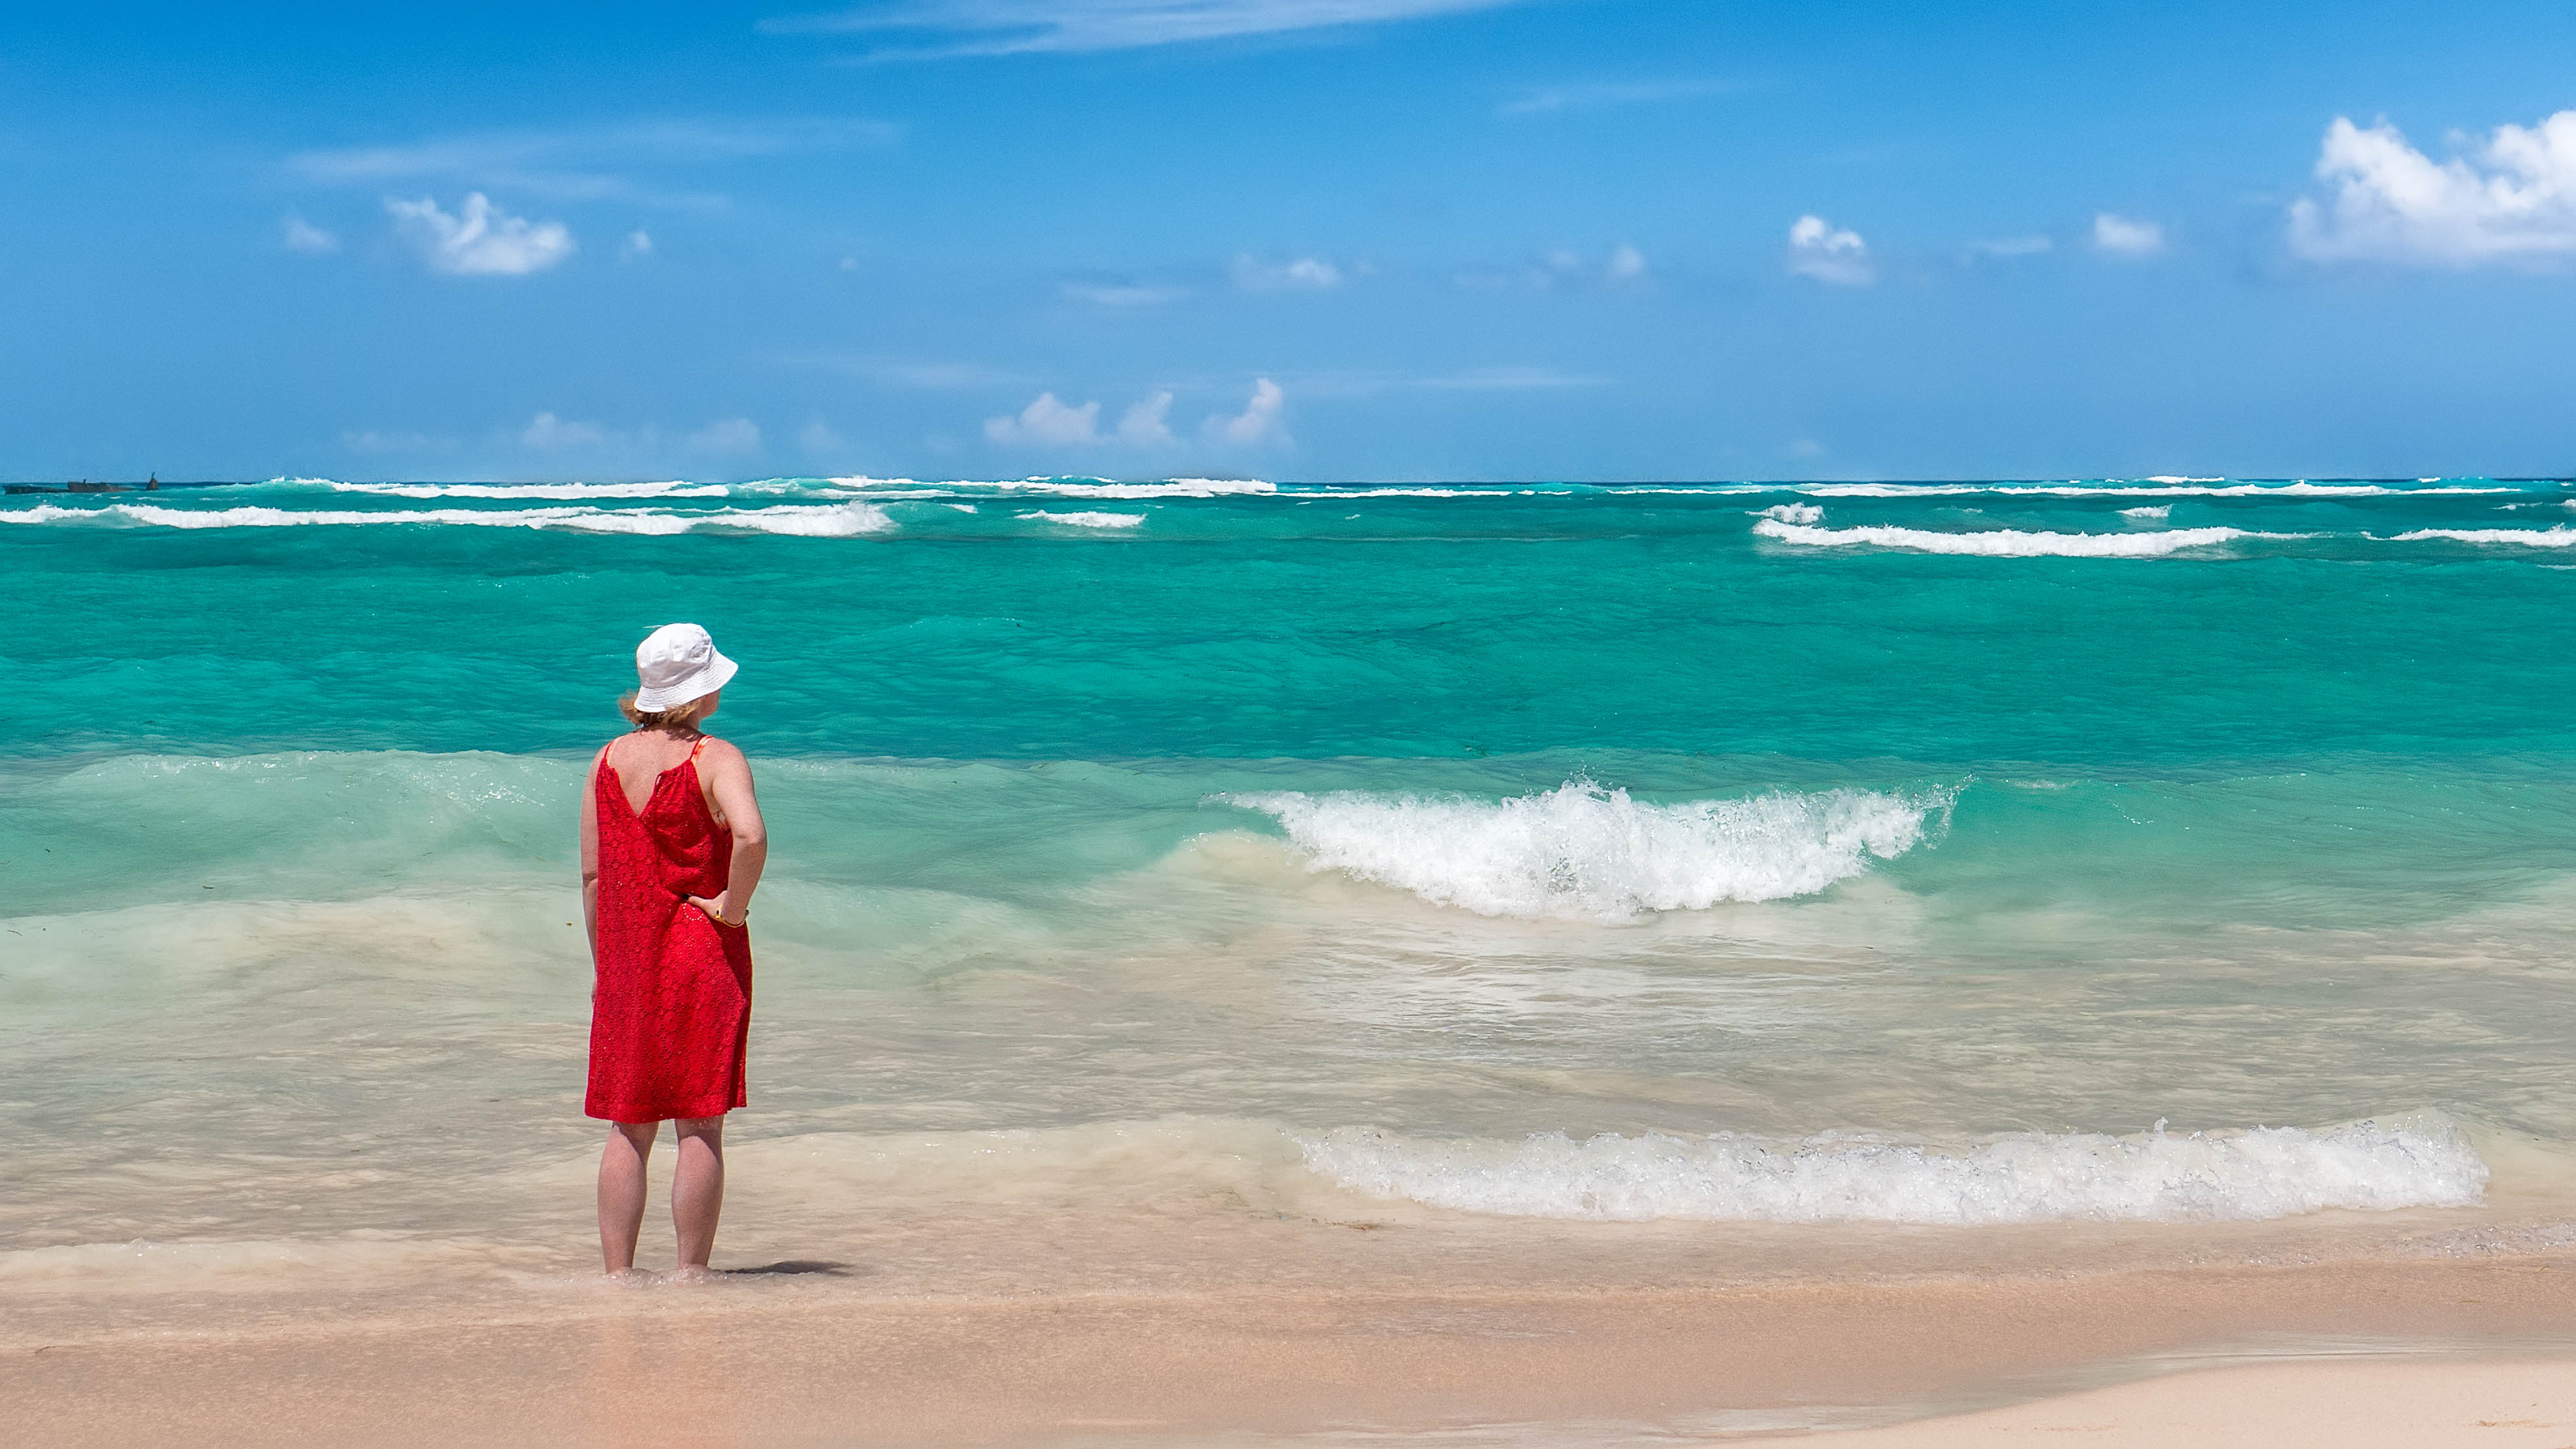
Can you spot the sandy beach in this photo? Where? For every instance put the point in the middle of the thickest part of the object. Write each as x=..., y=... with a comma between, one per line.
x=1288, y=724
x=2412, y=1353
x=2371, y=1405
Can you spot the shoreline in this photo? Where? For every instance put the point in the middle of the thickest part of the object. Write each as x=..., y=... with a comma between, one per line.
x=2283, y=1405
x=1255, y=1363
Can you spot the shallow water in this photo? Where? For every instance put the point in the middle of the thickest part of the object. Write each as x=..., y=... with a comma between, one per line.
x=1824, y=867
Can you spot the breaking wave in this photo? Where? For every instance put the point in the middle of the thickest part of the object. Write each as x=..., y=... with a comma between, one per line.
x=2007, y=542
x=2253, y=1173
x=825, y=520
x=2150, y=488
x=565, y=491
x=1580, y=852
x=1079, y=487
x=2561, y=536
x=1086, y=520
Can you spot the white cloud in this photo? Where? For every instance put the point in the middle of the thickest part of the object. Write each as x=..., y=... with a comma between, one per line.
x=1818, y=250
x=1305, y=274
x=1050, y=422
x=1560, y=267
x=2013, y=246
x=548, y=431
x=939, y=375
x=726, y=436
x=1110, y=294
x=1257, y=423
x=818, y=437
x=2122, y=237
x=1508, y=379
x=2511, y=198
x=481, y=240
x=1014, y=27
x=578, y=165
x=304, y=236
x=372, y=440
x=637, y=246
x=1594, y=97
x=1047, y=423
x=1145, y=423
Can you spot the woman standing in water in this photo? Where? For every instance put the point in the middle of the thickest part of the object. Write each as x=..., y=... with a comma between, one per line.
x=671, y=847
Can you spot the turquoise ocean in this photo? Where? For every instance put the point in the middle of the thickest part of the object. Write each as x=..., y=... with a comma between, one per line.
x=1818, y=874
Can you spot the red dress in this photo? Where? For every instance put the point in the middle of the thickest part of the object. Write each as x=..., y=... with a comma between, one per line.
x=670, y=1019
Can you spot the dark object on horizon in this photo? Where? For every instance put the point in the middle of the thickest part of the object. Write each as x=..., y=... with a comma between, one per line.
x=83, y=485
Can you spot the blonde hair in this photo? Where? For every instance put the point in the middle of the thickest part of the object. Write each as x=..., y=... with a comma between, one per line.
x=677, y=717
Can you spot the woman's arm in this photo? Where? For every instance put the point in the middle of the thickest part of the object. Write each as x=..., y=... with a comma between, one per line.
x=590, y=850
x=737, y=808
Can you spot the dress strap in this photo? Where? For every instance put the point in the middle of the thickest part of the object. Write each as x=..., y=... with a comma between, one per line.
x=693, y=749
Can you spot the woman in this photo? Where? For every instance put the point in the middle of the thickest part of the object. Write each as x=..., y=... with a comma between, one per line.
x=671, y=847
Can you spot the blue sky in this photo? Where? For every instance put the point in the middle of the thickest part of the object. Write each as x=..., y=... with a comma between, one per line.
x=1307, y=239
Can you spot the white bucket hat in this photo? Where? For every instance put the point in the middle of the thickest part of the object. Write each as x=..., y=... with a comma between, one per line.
x=678, y=663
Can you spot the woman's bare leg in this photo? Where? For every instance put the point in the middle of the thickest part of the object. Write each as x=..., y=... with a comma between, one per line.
x=697, y=1187
x=621, y=1191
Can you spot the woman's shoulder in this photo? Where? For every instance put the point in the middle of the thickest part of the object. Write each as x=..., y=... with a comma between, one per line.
x=713, y=750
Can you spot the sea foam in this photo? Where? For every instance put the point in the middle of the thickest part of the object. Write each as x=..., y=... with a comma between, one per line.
x=1086, y=520
x=2560, y=536
x=829, y=520
x=2187, y=488
x=2005, y=542
x=1076, y=487
x=559, y=491
x=1582, y=852
x=2253, y=1173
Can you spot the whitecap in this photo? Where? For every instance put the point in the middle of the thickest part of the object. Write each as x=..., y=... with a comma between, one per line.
x=820, y=520
x=2559, y=536
x=862, y=481
x=1580, y=852
x=837, y=520
x=1087, y=520
x=563, y=491
x=1798, y=513
x=2007, y=542
x=1072, y=487
x=2132, y=490
x=1488, y=492
x=2253, y=1173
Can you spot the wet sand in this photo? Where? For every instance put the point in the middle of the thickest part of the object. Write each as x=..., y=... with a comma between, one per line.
x=2309, y=1405
x=709, y=1367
